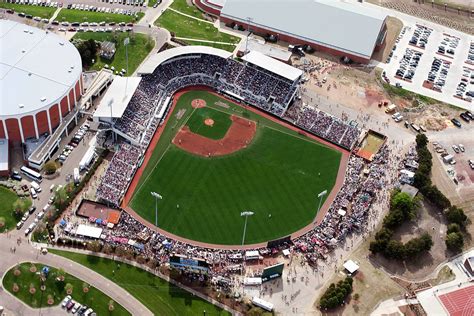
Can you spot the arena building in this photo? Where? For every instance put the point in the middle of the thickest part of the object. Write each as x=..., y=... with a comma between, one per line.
x=40, y=80
x=335, y=27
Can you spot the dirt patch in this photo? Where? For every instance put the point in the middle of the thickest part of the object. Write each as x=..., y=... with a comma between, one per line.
x=209, y=122
x=238, y=136
x=198, y=103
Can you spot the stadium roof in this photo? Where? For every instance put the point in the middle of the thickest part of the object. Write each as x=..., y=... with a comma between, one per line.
x=4, y=155
x=115, y=100
x=265, y=48
x=37, y=68
x=348, y=27
x=153, y=61
x=273, y=65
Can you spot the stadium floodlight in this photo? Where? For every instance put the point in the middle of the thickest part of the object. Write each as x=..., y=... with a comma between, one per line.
x=157, y=197
x=320, y=196
x=246, y=214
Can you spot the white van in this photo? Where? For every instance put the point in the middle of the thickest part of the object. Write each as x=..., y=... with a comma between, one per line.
x=33, y=193
x=35, y=186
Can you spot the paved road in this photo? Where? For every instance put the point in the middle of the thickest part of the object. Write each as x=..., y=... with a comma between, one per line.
x=24, y=252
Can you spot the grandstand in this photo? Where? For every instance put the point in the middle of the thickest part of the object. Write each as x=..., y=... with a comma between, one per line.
x=260, y=81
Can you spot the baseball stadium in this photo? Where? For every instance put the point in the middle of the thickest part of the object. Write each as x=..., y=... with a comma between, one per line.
x=217, y=151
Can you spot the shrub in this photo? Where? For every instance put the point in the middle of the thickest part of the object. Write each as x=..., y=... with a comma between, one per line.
x=454, y=241
x=50, y=167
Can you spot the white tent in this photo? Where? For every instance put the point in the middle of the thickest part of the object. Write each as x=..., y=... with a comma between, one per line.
x=351, y=266
x=252, y=255
x=89, y=231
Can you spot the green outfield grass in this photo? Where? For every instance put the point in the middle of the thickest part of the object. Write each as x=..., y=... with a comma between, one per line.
x=7, y=198
x=159, y=296
x=218, y=130
x=139, y=47
x=94, y=298
x=42, y=12
x=186, y=27
x=278, y=176
x=71, y=16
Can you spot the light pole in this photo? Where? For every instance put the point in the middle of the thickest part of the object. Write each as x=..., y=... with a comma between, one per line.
x=246, y=214
x=320, y=196
x=156, y=196
x=249, y=20
x=126, y=41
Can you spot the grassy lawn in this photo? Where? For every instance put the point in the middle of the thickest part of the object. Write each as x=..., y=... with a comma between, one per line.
x=183, y=26
x=151, y=2
x=161, y=297
x=43, y=12
x=182, y=6
x=94, y=298
x=139, y=47
x=277, y=176
x=218, y=130
x=7, y=198
x=70, y=15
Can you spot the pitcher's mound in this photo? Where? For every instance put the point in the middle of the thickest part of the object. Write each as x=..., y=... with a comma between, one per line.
x=198, y=103
x=209, y=122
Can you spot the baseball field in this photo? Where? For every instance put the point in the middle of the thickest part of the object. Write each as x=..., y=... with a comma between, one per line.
x=216, y=159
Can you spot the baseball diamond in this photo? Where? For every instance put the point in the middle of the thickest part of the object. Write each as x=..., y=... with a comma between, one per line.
x=276, y=172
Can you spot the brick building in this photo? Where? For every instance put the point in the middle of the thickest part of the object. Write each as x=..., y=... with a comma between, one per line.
x=40, y=81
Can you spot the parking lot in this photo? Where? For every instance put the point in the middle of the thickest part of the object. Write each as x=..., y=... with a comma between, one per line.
x=434, y=61
x=456, y=180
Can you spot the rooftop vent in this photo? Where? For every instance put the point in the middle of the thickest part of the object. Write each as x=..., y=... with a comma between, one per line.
x=31, y=32
x=21, y=105
x=61, y=43
x=25, y=30
x=43, y=99
x=23, y=51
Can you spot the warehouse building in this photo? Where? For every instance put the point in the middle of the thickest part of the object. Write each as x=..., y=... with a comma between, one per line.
x=339, y=28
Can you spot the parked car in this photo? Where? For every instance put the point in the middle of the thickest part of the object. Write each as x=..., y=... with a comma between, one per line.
x=65, y=301
x=461, y=147
x=456, y=122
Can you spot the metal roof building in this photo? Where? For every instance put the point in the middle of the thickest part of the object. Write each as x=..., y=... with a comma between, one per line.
x=337, y=27
x=40, y=80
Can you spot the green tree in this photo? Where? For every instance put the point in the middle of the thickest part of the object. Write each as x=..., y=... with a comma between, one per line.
x=395, y=250
x=454, y=241
x=403, y=202
x=394, y=219
x=50, y=167
x=88, y=51
x=60, y=198
x=421, y=140
x=20, y=206
x=456, y=215
x=453, y=228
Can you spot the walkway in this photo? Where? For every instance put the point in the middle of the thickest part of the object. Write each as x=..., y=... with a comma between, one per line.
x=25, y=252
